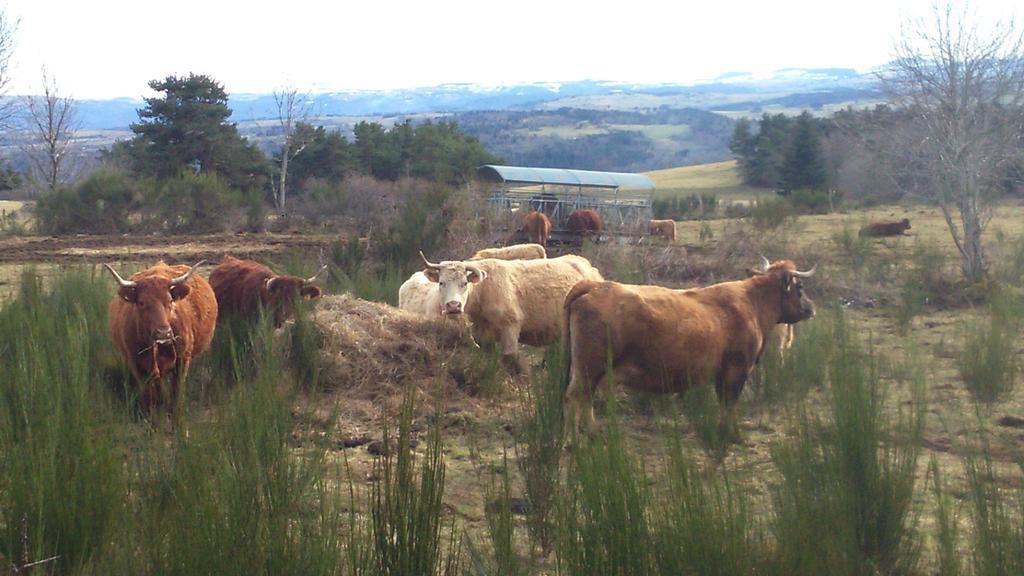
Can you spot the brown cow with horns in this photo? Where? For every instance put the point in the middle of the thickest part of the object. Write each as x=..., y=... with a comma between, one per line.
x=664, y=340
x=243, y=287
x=160, y=319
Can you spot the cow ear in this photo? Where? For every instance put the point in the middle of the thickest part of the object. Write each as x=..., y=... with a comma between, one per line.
x=432, y=275
x=128, y=294
x=179, y=291
x=787, y=281
x=475, y=276
x=310, y=292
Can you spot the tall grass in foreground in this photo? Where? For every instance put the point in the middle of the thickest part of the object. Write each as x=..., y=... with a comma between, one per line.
x=997, y=518
x=539, y=447
x=406, y=506
x=844, y=503
x=62, y=480
x=231, y=483
x=602, y=509
x=788, y=377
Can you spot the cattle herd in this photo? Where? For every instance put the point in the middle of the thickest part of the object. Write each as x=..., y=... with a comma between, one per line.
x=641, y=336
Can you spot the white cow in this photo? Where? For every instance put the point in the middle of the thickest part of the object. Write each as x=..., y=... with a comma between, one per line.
x=509, y=301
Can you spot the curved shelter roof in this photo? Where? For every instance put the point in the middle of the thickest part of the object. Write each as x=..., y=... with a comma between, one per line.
x=565, y=177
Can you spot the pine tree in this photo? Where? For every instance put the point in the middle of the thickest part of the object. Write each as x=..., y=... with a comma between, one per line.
x=804, y=163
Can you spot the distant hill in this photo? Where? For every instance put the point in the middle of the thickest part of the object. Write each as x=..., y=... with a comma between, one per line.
x=825, y=84
x=587, y=124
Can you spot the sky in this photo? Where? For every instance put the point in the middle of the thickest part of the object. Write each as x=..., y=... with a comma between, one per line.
x=113, y=48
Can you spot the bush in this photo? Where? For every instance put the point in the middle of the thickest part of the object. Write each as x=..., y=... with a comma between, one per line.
x=853, y=247
x=988, y=363
x=844, y=505
x=193, y=203
x=539, y=446
x=100, y=204
x=808, y=201
x=771, y=214
x=681, y=207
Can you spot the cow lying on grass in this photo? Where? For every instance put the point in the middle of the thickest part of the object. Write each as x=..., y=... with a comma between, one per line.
x=160, y=319
x=664, y=340
x=881, y=229
x=243, y=287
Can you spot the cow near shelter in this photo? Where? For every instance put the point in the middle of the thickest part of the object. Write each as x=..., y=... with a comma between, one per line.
x=244, y=287
x=662, y=340
x=585, y=222
x=537, y=228
x=663, y=229
x=160, y=319
x=508, y=301
x=514, y=252
x=881, y=229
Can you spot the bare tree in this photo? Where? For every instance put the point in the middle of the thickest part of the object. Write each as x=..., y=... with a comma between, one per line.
x=961, y=85
x=8, y=106
x=53, y=125
x=292, y=108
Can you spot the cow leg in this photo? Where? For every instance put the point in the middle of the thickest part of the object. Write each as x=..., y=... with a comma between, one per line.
x=729, y=388
x=510, y=349
x=579, y=405
x=178, y=383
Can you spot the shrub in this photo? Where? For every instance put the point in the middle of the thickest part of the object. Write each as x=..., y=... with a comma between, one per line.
x=406, y=510
x=100, y=204
x=988, y=364
x=844, y=503
x=192, y=203
x=681, y=207
x=853, y=247
x=420, y=223
x=809, y=201
x=539, y=446
x=997, y=541
x=701, y=522
x=603, y=507
x=771, y=214
x=62, y=475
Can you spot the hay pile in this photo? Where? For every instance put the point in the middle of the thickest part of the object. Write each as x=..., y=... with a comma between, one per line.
x=376, y=349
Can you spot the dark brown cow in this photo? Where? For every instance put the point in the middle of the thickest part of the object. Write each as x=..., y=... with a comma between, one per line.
x=585, y=222
x=879, y=229
x=160, y=319
x=665, y=340
x=537, y=228
x=244, y=286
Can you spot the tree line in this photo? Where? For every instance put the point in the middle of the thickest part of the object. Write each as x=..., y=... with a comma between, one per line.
x=187, y=165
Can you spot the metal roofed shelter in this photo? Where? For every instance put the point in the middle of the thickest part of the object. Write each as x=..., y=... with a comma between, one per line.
x=620, y=198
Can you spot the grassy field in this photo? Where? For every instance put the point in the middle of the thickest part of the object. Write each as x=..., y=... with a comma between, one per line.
x=867, y=451
x=719, y=179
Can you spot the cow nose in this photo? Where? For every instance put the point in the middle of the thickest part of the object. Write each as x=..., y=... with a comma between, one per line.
x=163, y=333
x=453, y=307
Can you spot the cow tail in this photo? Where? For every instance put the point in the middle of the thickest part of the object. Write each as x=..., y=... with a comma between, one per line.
x=579, y=289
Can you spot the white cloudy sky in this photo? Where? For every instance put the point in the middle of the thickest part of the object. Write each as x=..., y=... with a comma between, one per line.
x=108, y=48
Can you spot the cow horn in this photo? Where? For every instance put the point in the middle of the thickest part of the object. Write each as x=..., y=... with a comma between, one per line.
x=427, y=262
x=269, y=282
x=124, y=283
x=475, y=270
x=179, y=279
x=765, y=263
x=807, y=274
x=313, y=277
